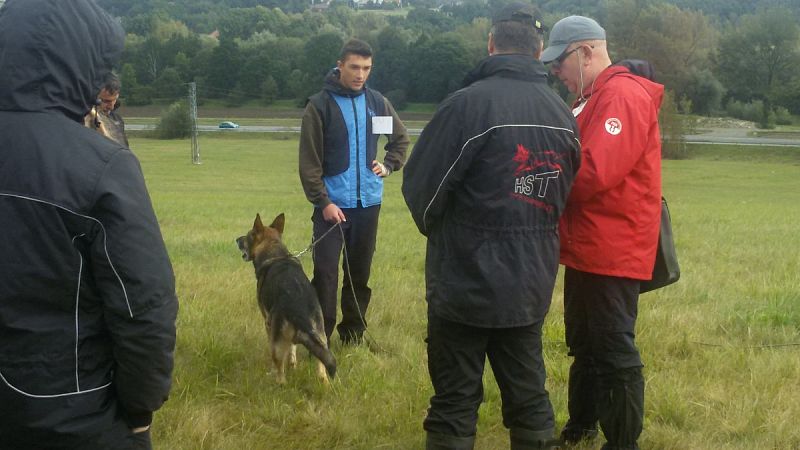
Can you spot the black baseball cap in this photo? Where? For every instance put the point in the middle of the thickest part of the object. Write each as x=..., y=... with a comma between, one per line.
x=519, y=12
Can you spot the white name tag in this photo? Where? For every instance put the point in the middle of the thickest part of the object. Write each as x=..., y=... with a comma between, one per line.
x=381, y=124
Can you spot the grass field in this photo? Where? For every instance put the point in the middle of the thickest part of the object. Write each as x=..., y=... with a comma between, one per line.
x=721, y=347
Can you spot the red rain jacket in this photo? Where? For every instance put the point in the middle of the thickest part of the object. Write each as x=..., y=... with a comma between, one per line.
x=611, y=222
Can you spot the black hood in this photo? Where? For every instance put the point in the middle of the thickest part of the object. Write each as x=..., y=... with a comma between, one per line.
x=333, y=85
x=515, y=66
x=55, y=54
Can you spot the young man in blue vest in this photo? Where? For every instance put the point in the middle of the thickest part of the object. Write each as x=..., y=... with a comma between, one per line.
x=343, y=179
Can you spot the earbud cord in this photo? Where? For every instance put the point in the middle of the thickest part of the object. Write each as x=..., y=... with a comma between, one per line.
x=591, y=88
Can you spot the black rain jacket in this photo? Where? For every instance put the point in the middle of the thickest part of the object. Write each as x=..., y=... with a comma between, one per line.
x=87, y=292
x=486, y=183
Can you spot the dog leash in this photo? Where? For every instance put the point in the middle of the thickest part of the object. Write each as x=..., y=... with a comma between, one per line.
x=313, y=243
x=367, y=334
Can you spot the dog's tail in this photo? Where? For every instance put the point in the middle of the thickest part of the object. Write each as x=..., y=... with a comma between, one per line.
x=314, y=343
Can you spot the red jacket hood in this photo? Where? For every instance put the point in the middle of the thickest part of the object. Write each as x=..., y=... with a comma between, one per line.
x=655, y=90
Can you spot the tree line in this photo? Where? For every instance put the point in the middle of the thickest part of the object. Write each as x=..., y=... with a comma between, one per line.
x=726, y=56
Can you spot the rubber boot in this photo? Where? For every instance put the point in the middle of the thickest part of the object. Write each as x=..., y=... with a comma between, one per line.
x=575, y=434
x=522, y=439
x=438, y=441
x=621, y=407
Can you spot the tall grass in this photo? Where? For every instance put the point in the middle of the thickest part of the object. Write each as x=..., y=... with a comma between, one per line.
x=719, y=372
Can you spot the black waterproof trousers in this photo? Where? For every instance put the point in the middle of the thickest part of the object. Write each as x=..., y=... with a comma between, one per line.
x=360, y=231
x=456, y=358
x=605, y=380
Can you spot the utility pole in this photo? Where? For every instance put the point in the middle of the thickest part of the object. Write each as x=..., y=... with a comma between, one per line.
x=193, y=121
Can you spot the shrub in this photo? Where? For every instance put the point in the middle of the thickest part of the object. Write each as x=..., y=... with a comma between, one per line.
x=782, y=116
x=673, y=129
x=753, y=112
x=704, y=91
x=174, y=122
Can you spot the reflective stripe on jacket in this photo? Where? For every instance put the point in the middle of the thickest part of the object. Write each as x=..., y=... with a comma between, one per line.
x=486, y=183
x=87, y=292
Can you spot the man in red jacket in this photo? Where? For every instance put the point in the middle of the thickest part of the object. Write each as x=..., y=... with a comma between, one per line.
x=609, y=231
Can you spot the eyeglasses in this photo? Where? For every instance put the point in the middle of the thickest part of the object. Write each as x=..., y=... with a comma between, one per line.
x=556, y=63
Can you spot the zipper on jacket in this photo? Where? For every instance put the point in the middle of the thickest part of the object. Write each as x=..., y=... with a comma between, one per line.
x=358, y=150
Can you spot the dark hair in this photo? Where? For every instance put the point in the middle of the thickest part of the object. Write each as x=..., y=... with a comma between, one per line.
x=516, y=37
x=355, y=47
x=112, y=84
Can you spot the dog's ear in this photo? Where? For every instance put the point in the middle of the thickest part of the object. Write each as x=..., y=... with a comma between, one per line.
x=278, y=223
x=257, y=225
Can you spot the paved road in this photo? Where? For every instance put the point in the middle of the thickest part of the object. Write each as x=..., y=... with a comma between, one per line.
x=738, y=136
x=715, y=136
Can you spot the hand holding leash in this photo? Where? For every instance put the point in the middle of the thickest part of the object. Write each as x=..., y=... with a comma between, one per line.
x=380, y=169
x=333, y=214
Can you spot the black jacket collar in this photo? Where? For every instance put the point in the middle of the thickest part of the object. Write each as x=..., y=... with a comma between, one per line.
x=515, y=66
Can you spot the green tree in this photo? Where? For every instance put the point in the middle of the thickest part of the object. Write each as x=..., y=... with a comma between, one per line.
x=254, y=71
x=320, y=55
x=169, y=84
x=475, y=36
x=128, y=79
x=704, y=91
x=759, y=57
x=133, y=93
x=428, y=21
x=222, y=72
x=241, y=23
x=391, y=59
x=674, y=40
x=673, y=129
x=184, y=65
x=437, y=67
x=269, y=90
x=298, y=86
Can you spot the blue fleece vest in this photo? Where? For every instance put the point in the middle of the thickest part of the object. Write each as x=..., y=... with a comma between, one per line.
x=350, y=147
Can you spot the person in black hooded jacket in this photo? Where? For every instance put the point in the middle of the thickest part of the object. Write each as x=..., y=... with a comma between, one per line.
x=87, y=292
x=486, y=183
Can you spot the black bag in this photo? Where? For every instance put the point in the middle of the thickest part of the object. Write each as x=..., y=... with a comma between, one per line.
x=666, y=271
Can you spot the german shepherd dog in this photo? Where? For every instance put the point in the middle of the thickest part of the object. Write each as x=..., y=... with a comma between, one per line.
x=287, y=300
x=104, y=125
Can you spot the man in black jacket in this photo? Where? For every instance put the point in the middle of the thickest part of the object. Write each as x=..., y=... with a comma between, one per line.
x=87, y=292
x=486, y=183
x=112, y=120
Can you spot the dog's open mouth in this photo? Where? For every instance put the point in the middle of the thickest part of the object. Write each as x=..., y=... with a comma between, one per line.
x=240, y=241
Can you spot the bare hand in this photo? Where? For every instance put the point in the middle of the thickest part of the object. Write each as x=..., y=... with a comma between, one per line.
x=333, y=214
